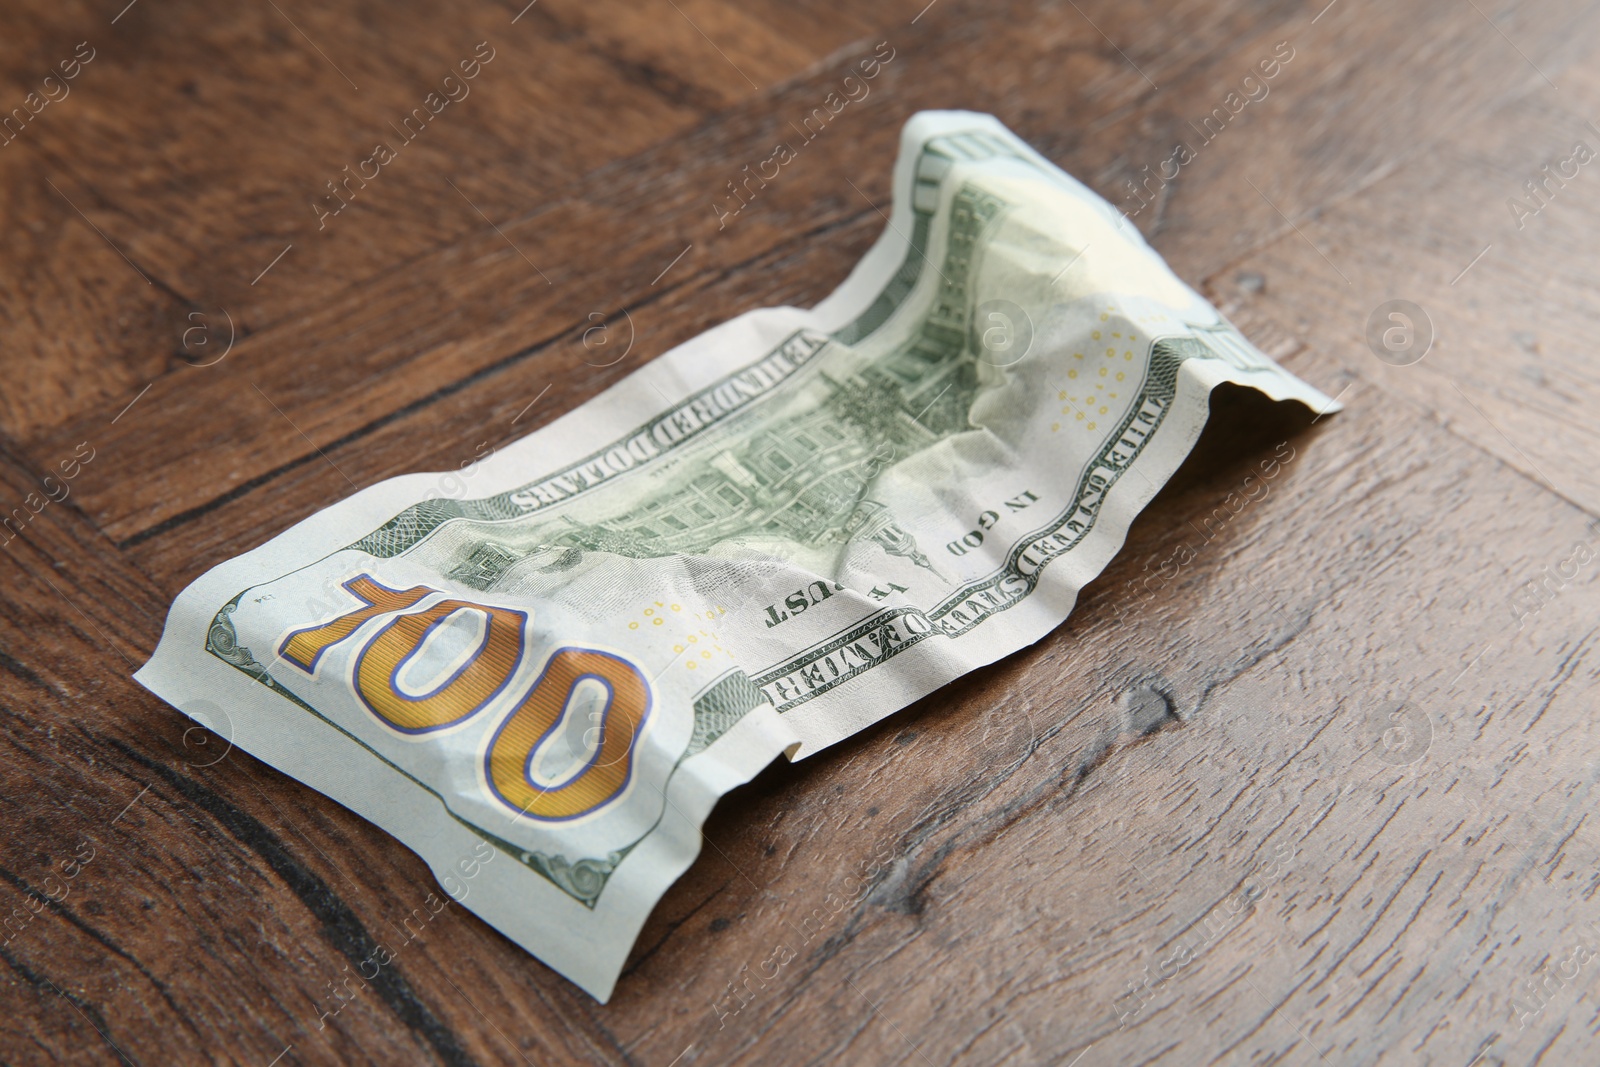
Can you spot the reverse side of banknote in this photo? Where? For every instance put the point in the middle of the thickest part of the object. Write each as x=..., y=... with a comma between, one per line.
x=762, y=542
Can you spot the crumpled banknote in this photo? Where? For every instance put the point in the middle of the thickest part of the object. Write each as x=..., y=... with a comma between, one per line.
x=760, y=543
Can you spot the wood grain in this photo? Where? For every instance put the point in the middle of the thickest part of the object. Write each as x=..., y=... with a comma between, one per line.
x=1506, y=300
x=1322, y=796
x=255, y=114
x=412, y=322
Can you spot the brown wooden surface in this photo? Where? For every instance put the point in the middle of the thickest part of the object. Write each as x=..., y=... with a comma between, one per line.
x=1038, y=837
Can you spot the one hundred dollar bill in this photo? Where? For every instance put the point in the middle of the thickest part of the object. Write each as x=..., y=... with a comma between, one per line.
x=765, y=540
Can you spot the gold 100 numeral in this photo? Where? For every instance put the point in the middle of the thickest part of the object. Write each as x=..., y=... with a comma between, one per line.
x=534, y=721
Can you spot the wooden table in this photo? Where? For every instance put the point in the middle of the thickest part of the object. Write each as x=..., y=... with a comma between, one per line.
x=1321, y=795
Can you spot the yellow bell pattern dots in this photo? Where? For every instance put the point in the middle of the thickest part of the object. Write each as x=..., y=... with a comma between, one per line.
x=1095, y=401
x=694, y=645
